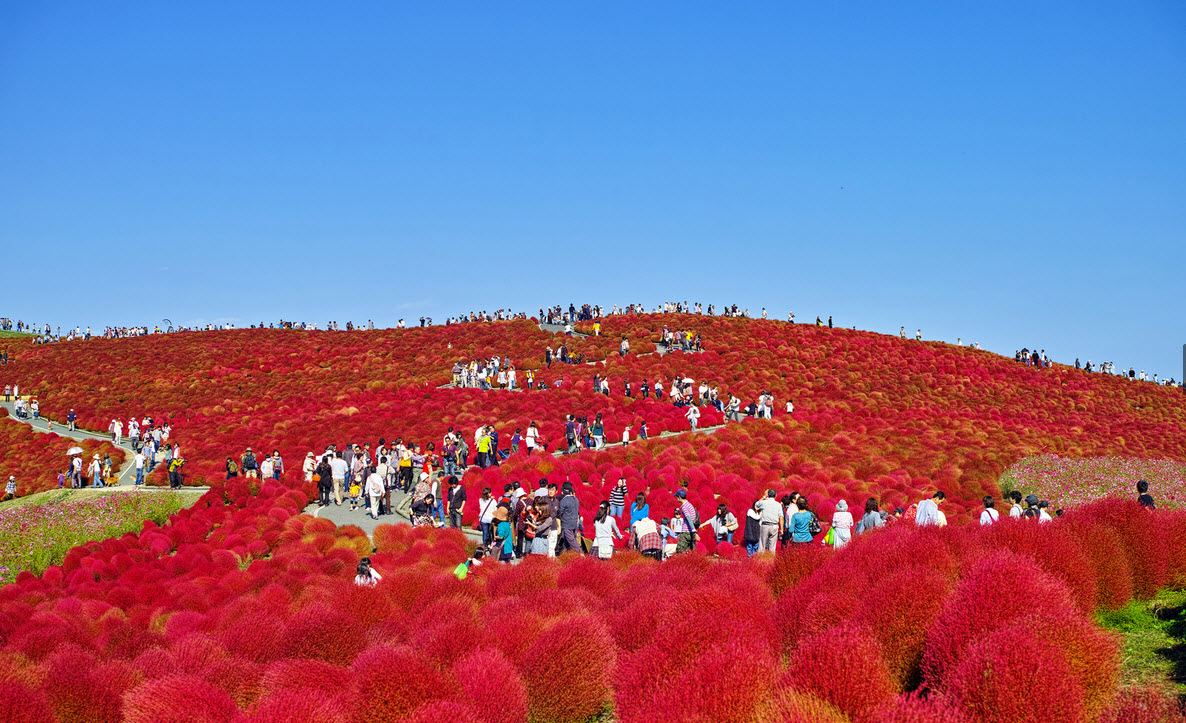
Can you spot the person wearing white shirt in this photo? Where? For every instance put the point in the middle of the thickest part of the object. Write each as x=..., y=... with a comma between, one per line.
x=339, y=469
x=1015, y=510
x=375, y=489
x=990, y=515
x=532, y=438
x=139, y=462
x=928, y=510
x=511, y=379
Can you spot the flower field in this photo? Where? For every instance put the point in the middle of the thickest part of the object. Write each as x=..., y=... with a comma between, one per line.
x=36, y=536
x=242, y=609
x=35, y=458
x=1073, y=482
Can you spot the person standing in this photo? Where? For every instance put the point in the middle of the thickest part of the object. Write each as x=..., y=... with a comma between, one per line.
x=10, y=488
x=989, y=516
x=139, y=461
x=841, y=525
x=606, y=530
x=95, y=472
x=532, y=438
x=486, y=505
x=570, y=518
x=617, y=498
x=175, y=472
x=248, y=464
x=323, y=474
x=693, y=415
x=309, y=465
x=872, y=519
x=690, y=522
x=1144, y=499
x=928, y=510
x=375, y=488
x=457, y=506
x=801, y=521
x=71, y=418
x=771, y=522
x=339, y=471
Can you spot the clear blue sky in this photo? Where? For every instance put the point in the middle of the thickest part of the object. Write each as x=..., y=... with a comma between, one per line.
x=1009, y=173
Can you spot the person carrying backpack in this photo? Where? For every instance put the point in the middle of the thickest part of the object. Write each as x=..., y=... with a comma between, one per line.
x=248, y=464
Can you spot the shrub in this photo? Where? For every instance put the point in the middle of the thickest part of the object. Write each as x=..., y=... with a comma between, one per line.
x=582, y=643
x=1144, y=705
x=391, y=682
x=997, y=588
x=897, y=611
x=300, y=706
x=178, y=699
x=324, y=633
x=489, y=684
x=1007, y=677
x=19, y=704
x=843, y=666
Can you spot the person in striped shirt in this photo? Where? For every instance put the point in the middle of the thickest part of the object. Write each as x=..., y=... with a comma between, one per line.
x=617, y=498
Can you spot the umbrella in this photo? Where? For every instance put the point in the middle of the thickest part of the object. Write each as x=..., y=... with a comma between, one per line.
x=74, y=450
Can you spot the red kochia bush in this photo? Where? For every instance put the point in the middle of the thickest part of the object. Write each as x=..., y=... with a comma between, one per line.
x=578, y=643
x=897, y=610
x=842, y=665
x=913, y=709
x=324, y=633
x=391, y=682
x=178, y=699
x=1008, y=677
x=1144, y=705
x=488, y=683
x=18, y=704
x=300, y=706
x=996, y=589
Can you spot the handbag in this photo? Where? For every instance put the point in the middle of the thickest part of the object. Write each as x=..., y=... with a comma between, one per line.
x=830, y=538
x=813, y=526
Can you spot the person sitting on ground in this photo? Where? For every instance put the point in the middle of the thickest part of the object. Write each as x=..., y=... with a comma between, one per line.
x=644, y=537
x=366, y=576
x=1144, y=498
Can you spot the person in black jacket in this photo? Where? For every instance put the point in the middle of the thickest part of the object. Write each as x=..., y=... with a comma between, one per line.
x=325, y=481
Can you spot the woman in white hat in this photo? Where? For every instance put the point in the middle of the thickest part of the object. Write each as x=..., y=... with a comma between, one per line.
x=841, y=525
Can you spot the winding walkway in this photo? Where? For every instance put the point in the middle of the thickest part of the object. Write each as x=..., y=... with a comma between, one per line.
x=40, y=425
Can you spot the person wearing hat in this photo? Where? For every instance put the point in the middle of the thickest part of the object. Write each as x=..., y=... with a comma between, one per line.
x=308, y=466
x=10, y=488
x=841, y=524
x=502, y=532
x=95, y=472
x=248, y=464
x=456, y=506
x=1032, y=503
x=690, y=522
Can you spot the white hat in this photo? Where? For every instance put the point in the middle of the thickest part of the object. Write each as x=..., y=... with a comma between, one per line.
x=95, y=457
x=423, y=476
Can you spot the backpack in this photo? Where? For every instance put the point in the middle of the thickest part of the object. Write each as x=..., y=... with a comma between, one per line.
x=249, y=460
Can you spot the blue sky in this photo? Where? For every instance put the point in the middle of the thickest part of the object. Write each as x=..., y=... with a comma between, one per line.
x=1008, y=173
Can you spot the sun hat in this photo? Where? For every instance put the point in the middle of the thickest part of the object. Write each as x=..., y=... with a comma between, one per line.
x=842, y=505
x=423, y=476
x=500, y=514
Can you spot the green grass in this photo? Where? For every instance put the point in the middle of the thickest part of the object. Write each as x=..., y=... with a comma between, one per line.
x=37, y=531
x=1154, y=640
x=82, y=495
x=19, y=334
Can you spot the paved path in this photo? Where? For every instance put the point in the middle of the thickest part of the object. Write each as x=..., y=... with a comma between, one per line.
x=62, y=430
x=343, y=515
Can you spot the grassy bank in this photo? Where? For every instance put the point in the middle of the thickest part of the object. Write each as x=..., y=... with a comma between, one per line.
x=37, y=531
x=1154, y=647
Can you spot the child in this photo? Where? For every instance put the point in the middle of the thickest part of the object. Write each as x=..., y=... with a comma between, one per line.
x=642, y=431
x=626, y=436
x=61, y=480
x=355, y=494
x=670, y=539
